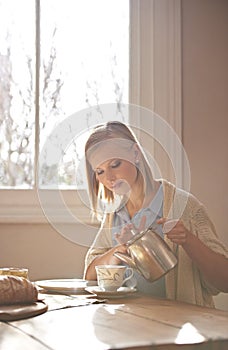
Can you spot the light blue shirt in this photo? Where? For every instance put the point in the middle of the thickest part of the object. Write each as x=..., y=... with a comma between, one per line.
x=153, y=212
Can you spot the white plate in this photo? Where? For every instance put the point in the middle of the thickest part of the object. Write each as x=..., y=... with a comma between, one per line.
x=72, y=286
x=121, y=292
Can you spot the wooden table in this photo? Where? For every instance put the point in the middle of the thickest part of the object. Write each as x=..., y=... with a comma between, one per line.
x=134, y=322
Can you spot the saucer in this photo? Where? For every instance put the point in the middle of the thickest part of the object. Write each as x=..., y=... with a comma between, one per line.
x=119, y=293
x=73, y=286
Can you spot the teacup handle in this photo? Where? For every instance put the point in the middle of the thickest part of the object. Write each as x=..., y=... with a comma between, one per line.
x=130, y=276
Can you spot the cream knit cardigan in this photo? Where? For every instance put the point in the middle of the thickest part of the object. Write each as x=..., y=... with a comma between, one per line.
x=184, y=282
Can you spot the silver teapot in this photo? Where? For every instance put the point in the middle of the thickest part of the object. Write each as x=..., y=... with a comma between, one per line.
x=149, y=254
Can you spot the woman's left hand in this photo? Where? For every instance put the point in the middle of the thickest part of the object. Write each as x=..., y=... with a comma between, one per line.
x=175, y=230
x=213, y=265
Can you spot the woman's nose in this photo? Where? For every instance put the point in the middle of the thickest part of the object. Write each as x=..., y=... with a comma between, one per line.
x=110, y=176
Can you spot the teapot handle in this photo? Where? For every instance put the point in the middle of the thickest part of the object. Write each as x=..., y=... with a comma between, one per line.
x=125, y=258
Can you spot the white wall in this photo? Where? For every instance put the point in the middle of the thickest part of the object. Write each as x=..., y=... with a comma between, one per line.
x=42, y=250
x=205, y=106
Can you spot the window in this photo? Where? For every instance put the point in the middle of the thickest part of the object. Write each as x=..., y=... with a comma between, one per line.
x=17, y=90
x=66, y=56
x=150, y=76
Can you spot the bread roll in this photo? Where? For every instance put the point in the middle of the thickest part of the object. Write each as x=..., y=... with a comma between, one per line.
x=16, y=290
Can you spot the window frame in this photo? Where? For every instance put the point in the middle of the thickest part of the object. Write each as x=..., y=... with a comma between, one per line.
x=155, y=83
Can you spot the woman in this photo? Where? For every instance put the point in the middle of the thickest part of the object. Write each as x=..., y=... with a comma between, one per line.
x=125, y=196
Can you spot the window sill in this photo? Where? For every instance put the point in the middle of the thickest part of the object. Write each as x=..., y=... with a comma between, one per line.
x=23, y=206
x=35, y=215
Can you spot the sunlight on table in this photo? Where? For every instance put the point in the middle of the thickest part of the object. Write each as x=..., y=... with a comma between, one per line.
x=189, y=334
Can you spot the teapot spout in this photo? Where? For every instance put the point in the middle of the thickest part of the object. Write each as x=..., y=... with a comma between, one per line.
x=126, y=259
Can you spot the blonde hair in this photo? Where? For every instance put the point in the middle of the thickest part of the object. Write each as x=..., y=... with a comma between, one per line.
x=102, y=132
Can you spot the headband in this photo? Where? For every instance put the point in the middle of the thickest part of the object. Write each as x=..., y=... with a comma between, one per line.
x=110, y=149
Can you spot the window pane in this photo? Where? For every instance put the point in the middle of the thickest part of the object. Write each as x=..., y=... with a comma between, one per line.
x=17, y=61
x=84, y=53
x=84, y=62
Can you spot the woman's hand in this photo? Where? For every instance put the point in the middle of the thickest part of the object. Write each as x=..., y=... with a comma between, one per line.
x=105, y=259
x=214, y=266
x=125, y=234
x=129, y=230
x=175, y=231
x=108, y=258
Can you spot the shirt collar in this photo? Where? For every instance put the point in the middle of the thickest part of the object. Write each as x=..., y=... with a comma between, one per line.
x=155, y=208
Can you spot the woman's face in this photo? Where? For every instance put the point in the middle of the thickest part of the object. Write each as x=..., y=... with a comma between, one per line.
x=117, y=175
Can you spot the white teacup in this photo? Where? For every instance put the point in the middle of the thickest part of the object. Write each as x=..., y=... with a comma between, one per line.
x=112, y=277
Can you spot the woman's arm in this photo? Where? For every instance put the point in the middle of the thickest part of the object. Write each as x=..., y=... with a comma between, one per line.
x=108, y=258
x=104, y=259
x=213, y=266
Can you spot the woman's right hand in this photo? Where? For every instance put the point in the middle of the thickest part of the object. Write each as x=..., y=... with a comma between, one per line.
x=108, y=258
x=105, y=259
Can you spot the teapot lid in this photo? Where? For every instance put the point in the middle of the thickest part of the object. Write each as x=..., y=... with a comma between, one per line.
x=138, y=235
x=135, y=237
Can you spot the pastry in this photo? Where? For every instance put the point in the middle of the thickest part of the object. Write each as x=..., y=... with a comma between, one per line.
x=17, y=290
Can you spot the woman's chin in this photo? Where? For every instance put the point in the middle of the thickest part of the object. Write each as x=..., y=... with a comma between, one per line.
x=122, y=189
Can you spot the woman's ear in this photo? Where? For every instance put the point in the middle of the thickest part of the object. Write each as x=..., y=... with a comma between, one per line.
x=136, y=151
